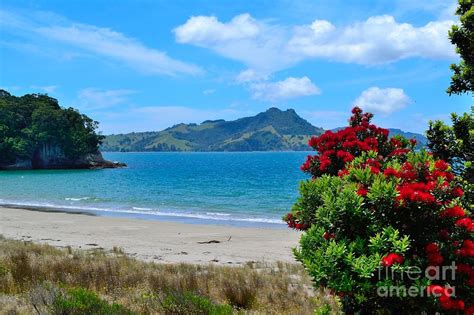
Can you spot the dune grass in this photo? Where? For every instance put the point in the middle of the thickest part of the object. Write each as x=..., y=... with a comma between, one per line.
x=45, y=280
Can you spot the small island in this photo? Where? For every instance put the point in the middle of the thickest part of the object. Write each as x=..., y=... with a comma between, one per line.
x=37, y=133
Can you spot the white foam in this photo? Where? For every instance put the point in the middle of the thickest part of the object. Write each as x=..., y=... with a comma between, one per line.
x=216, y=216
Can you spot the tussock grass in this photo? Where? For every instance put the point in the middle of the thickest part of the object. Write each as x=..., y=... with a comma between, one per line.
x=150, y=288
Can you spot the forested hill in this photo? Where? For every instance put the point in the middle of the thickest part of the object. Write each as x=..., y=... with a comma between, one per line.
x=35, y=132
x=272, y=130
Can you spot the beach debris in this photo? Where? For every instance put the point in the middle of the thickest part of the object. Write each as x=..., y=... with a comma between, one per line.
x=214, y=241
x=210, y=242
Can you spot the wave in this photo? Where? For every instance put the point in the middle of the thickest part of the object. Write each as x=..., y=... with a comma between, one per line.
x=216, y=216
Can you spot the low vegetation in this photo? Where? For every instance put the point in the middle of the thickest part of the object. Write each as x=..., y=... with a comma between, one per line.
x=45, y=280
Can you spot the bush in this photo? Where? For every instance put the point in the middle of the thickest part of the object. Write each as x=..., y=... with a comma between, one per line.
x=81, y=301
x=188, y=303
x=381, y=221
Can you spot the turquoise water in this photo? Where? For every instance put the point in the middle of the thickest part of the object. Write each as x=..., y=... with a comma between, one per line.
x=246, y=189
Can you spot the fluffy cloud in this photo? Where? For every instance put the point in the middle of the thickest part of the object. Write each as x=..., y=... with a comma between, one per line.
x=377, y=40
x=255, y=43
x=266, y=47
x=98, y=41
x=283, y=90
x=93, y=99
x=250, y=75
x=383, y=101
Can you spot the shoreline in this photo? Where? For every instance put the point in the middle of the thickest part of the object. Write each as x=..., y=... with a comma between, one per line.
x=158, y=241
x=150, y=214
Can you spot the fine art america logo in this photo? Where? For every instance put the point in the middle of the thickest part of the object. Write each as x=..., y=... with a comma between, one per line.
x=414, y=274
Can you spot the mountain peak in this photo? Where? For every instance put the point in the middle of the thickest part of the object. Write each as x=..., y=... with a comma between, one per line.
x=276, y=110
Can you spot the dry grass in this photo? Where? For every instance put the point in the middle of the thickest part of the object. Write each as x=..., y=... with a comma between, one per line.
x=279, y=288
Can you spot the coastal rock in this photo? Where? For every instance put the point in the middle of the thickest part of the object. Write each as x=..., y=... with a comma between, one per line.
x=53, y=157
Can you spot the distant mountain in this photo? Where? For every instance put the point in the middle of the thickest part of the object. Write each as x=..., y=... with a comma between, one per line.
x=272, y=130
x=421, y=140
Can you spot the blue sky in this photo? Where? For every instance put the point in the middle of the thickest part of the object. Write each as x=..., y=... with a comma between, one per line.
x=146, y=65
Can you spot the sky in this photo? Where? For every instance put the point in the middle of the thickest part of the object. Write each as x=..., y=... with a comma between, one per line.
x=146, y=65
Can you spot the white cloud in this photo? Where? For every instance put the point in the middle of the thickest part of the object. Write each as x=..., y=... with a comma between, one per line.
x=383, y=101
x=378, y=40
x=48, y=88
x=250, y=75
x=209, y=91
x=102, y=42
x=266, y=47
x=257, y=44
x=202, y=30
x=283, y=90
x=93, y=99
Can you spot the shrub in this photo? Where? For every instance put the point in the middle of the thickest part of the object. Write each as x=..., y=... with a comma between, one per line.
x=188, y=303
x=378, y=215
x=81, y=301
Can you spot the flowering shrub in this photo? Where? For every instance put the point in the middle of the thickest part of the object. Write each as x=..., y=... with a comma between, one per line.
x=381, y=220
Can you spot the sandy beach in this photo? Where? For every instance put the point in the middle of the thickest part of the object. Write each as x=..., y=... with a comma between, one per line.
x=158, y=241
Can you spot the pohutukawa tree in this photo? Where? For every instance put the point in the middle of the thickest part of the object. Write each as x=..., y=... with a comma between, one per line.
x=381, y=221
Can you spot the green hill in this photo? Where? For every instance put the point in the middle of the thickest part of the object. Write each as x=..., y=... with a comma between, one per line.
x=272, y=130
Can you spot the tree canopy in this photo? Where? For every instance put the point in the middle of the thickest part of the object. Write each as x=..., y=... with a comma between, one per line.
x=33, y=120
x=462, y=36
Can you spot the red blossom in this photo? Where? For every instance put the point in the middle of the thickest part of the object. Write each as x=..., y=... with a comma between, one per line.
x=465, y=223
x=328, y=235
x=362, y=191
x=453, y=212
x=392, y=258
x=435, y=259
x=441, y=165
x=457, y=192
x=432, y=248
x=469, y=310
x=434, y=289
x=390, y=171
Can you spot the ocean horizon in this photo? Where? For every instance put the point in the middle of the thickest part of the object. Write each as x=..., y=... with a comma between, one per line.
x=250, y=189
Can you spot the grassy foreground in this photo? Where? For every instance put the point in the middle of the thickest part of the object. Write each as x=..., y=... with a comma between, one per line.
x=40, y=279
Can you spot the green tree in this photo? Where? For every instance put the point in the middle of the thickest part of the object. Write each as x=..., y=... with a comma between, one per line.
x=462, y=36
x=32, y=121
x=455, y=144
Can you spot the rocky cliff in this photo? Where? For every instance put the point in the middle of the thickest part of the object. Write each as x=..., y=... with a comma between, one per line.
x=53, y=157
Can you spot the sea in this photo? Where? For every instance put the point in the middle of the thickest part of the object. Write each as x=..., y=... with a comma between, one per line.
x=250, y=189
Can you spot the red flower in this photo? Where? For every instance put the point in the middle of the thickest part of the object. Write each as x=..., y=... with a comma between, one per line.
x=391, y=259
x=465, y=223
x=457, y=192
x=435, y=259
x=362, y=191
x=313, y=142
x=444, y=234
x=413, y=142
x=446, y=302
x=390, y=171
x=434, y=289
x=441, y=165
x=432, y=248
x=374, y=170
x=328, y=236
x=343, y=173
x=453, y=212
x=469, y=310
